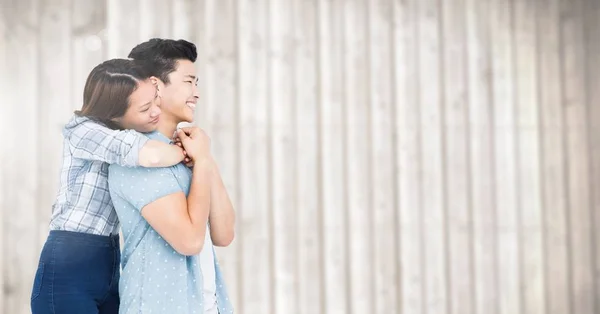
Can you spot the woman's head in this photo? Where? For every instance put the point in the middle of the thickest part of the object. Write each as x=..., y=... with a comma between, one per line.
x=120, y=94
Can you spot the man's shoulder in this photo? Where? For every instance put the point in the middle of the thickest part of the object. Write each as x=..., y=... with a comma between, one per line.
x=136, y=171
x=135, y=184
x=139, y=174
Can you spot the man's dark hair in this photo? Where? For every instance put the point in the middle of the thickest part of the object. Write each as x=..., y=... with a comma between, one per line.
x=163, y=55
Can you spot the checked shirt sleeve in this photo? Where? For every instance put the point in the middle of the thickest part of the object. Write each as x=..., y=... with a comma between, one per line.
x=92, y=141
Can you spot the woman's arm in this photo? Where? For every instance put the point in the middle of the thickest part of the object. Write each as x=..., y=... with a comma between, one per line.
x=92, y=141
x=159, y=154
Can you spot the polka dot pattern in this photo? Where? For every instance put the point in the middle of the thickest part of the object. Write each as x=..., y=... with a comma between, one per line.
x=155, y=278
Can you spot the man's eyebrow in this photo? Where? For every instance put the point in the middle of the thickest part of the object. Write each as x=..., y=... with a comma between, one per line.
x=193, y=77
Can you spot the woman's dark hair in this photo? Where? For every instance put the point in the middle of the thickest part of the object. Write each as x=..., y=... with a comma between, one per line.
x=108, y=88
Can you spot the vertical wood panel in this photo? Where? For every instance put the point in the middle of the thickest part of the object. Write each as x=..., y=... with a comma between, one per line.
x=554, y=201
x=310, y=293
x=433, y=172
x=254, y=178
x=123, y=29
x=456, y=129
x=283, y=155
x=578, y=179
x=358, y=147
x=21, y=241
x=382, y=156
x=333, y=197
x=507, y=184
x=528, y=151
x=482, y=159
x=88, y=45
x=54, y=95
x=412, y=286
x=5, y=114
x=199, y=26
x=592, y=41
x=214, y=47
x=154, y=19
x=221, y=96
x=184, y=17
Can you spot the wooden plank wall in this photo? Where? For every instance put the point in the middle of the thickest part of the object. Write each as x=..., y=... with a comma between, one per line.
x=414, y=157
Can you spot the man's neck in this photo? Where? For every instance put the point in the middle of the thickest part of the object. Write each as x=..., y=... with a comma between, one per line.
x=167, y=126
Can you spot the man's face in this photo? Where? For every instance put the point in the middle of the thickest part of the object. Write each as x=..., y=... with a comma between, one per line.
x=180, y=96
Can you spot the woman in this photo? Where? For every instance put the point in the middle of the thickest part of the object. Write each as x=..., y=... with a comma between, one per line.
x=78, y=270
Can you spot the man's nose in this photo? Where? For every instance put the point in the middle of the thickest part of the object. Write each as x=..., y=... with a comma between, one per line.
x=196, y=92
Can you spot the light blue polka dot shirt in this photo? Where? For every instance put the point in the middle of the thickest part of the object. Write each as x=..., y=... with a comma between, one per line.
x=155, y=278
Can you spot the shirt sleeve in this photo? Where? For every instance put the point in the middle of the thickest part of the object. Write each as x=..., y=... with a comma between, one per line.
x=93, y=141
x=142, y=186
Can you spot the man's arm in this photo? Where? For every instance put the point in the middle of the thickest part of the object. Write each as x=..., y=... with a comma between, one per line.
x=222, y=215
x=156, y=193
x=93, y=141
x=180, y=221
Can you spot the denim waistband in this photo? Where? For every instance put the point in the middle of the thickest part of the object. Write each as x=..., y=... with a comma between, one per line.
x=93, y=239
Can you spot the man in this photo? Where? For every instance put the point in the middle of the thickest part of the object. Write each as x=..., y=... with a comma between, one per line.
x=172, y=217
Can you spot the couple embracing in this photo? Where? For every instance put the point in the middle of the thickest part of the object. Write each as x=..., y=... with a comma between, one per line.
x=127, y=167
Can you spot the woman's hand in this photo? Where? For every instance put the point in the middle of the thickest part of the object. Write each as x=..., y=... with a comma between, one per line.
x=186, y=160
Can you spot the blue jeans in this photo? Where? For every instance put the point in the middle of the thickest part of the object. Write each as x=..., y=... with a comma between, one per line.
x=77, y=273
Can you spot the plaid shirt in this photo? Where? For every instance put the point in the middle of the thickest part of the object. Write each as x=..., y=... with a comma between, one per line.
x=83, y=203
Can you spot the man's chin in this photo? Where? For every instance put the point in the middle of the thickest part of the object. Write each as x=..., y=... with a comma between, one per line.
x=187, y=117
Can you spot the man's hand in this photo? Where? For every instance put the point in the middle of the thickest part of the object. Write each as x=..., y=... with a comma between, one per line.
x=195, y=143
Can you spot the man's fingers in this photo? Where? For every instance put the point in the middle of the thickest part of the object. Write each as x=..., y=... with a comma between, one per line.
x=181, y=135
x=188, y=129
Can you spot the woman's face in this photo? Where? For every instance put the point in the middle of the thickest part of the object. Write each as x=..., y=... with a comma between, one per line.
x=143, y=112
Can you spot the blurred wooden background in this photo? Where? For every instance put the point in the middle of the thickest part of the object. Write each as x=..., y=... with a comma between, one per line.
x=408, y=156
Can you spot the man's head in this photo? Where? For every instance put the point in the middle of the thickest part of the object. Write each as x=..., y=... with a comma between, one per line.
x=172, y=62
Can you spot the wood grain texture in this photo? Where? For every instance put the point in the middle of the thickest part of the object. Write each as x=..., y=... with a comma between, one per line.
x=456, y=160
x=383, y=156
x=21, y=240
x=574, y=99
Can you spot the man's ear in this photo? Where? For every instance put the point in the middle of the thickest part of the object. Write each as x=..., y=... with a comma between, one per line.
x=154, y=80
